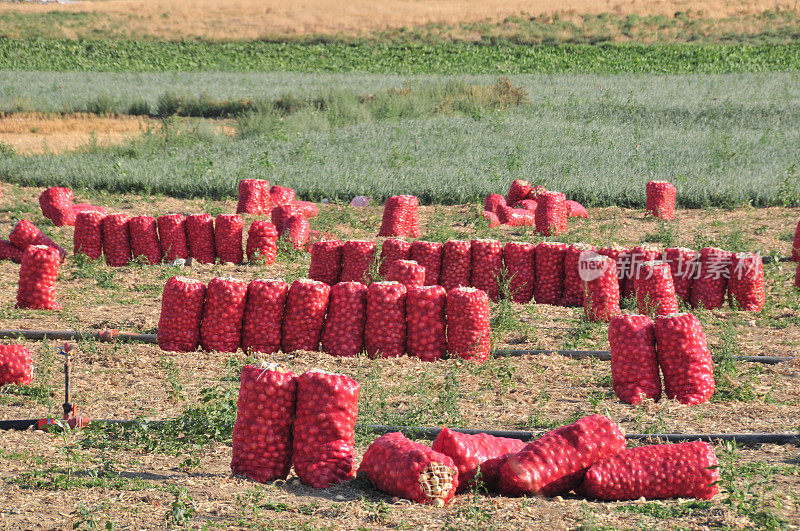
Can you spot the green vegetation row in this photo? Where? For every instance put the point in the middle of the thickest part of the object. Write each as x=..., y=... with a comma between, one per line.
x=456, y=58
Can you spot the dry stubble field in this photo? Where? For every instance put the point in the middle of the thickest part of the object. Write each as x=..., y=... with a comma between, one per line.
x=58, y=481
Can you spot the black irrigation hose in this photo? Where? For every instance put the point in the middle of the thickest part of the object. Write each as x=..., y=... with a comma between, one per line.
x=72, y=335
x=605, y=355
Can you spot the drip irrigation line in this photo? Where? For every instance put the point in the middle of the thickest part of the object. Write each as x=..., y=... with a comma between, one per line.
x=605, y=355
x=72, y=335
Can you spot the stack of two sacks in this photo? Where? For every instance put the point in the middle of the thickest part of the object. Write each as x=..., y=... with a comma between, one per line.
x=56, y=204
x=24, y=234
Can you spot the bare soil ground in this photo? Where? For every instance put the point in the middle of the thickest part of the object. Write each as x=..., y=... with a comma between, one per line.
x=132, y=487
x=251, y=19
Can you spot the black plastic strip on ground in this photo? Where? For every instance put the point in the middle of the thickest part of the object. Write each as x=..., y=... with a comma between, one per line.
x=605, y=355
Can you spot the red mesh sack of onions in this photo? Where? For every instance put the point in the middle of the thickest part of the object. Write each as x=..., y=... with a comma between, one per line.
x=281, y=195
x=306, y=208
x=181, y=312
x=456, y=264
x=144, y=239
x=549, y=287
x=655, y=293
x=796, y=244
x=391, y=250
x=519, y=190
x=487, y=265
x=221, y=329
x=263, y=315
x=200, y=238
x=262, y=434
x=426, y=309
x=530, y=205
x=410, y=470
x=576, y=210
x=468, y=324
x=683, y=264
x=634, y=364
x=304, y=315
x=684, y=358
x=406, y=272
x=228, y=233
x=746, y=283
x=393, y=222
x=324, y=428
x=429, y=256
x=519, y=259
x=797, y=276
x=490, y=218
x=660, y=201
x=56, y=205
x=469, y=452
x=172, y=232
x=556, y=462
x=250, y=199
x=9, y=251
x=493, y=202
x=357, y=258
x=622, y=261
x=683, y=470
x=25, y=233
x=16, y=365
x=708, y=289
x=639, y=255
x=573, y=283
x=412, y=219
x=37, y=278
x=298, y=229
x=551, y=213
x=385, y=330
x=280, y=216
x=601, y=298
x=116, y=239
x=326, y=261
x=262, y=242
x=88, y=235
x=343, y=331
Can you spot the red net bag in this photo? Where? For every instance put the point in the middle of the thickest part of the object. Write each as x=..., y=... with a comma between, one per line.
x=530, y=205
x=639, y=255
x=200, y=238
x=708, y=289
x=426, y=309
x=634, y=365
x=116, y=239
x=576, y=210
x=504, y=214
x=262, y=434
x=536, y=191
x=660, y=200
x=280, y=195
x=429, y=256
x=655, y=294
x=77, y=208
x=221, y=329
x=144, y=239
x=746, y=283
x=25, y=233
x=573, y=283
x=298, y=229
x=324, y=428
x=393, y=222
x=16, y=365
x=228, y=232
x=683, y=470
x=493, y=202
x=306, y=208
x=797, y=276
x=519, y=190
x=88, y=235
x=172, y=232
x=622, y=261
x=385, y=330
x=556, y=462
x=391, y=250
x=326, y=261
x=684, y=358
x=683, y=266
x=490, y=219
x=56, y=205
x=181, y=312
x=519, y=259
x=357, y=258
x=551, y=213
x=406, y=272
x=468, y=325
x=304, y=315
x=796, y=244
x=343, y=332
x=263, y=315
x=469, y=452
x=456, y=264
x=549, y=287
x=250, y=199
x=9, y=251
x=37, y=278
x=601, y=295
x=262, y=242
x=410, y=470
x=280, y=216
x=411, y=204
x=487, y=264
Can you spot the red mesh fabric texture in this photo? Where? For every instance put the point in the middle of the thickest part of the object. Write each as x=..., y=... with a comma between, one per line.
x=429, y=256
x=655, y=294
x=200, y=238
x=298, y=229
x=223, y=312
x=357, y=258
x=684, y=358
x=116, y=239
x=487, y=264
x=9, y=251
x=493, y=202
x=708, y=289
x=326, y=261
x=601, y=295
x=456, y=264
x=391, y=250
x=551, y=213
x=660, y=200
x=573, y=283
x=426, y=308
x=263, y=315
x=144, y=239
x=634, y=364
x=385, y=330
x=304, y=315
x=16, y=365
x=88, y=236
x=172, y=233
x=468, y=324
x=56, y=205
x=343, y=332
x=406, y=272
x=519, y=259
x=549, y=288
x=683, y=266
x=181, y=313
x=36, y=289
x=228, y=235
x=519, y=190
x=25, y=233
x=250, y=199
x=746, y=283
